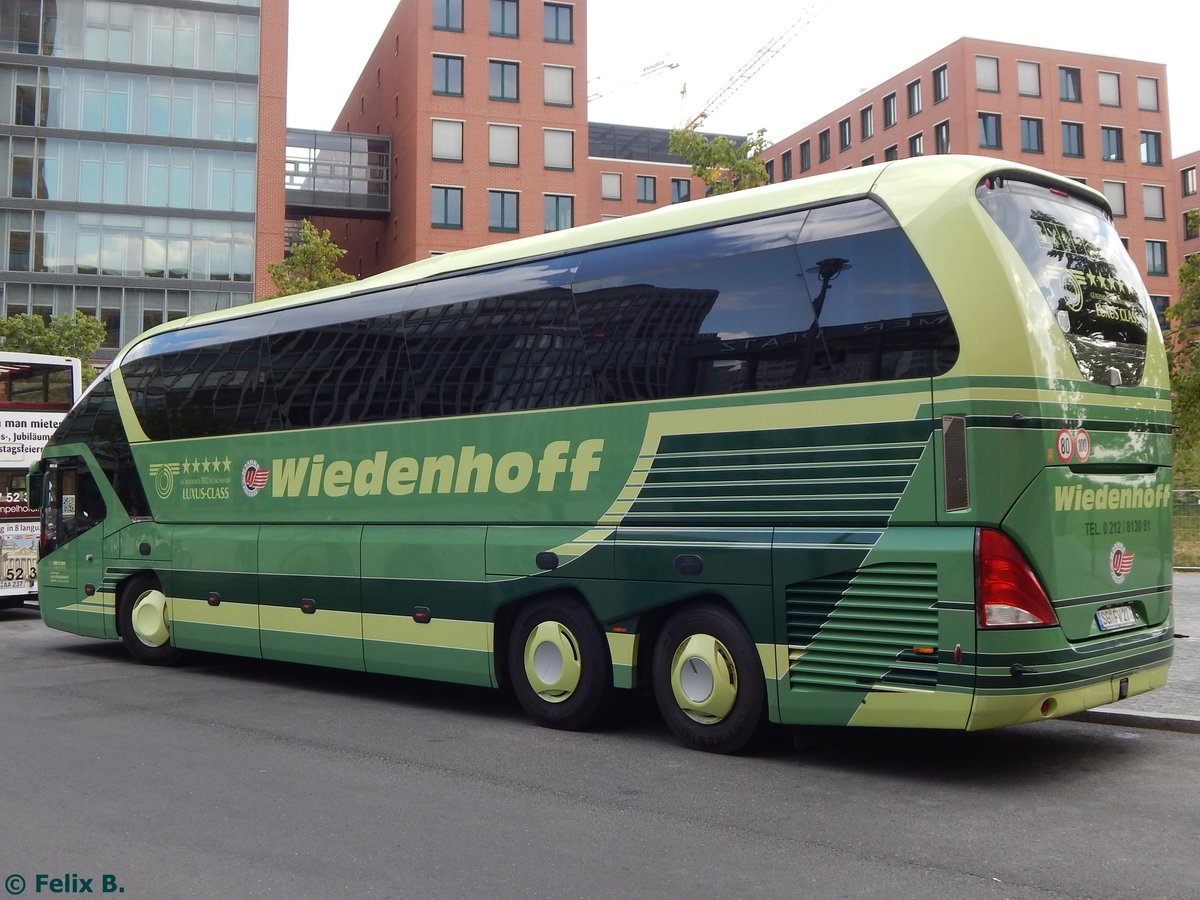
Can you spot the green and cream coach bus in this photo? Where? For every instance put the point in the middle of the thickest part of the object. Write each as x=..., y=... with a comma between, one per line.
x=888, y=447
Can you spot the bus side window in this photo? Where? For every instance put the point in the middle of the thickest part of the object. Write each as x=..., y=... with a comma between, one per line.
x=716, y=311
x=881, y=317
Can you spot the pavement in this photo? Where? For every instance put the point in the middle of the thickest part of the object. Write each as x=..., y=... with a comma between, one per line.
x=1176, y=705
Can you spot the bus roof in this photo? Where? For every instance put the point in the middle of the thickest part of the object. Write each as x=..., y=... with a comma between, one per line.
x=930, y=175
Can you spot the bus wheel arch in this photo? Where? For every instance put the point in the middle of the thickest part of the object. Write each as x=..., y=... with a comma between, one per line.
x=557, y=661
x=707, y=679
x=142, y=621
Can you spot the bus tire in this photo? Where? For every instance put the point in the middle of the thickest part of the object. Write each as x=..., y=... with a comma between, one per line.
x=558, y=664
x=142, y=622
x=708, y=681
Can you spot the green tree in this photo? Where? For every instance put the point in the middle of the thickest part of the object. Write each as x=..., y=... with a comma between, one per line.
x=311, y=263
x=76, y=335
x=721, y=164
x=1183, y=346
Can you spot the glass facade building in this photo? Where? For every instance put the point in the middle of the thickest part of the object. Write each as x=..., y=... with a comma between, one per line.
x=129, y=158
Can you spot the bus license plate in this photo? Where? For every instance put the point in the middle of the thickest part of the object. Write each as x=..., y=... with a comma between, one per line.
x=1115, y=617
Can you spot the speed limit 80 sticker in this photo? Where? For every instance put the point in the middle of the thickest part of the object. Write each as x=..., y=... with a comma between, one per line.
x=1073, y=443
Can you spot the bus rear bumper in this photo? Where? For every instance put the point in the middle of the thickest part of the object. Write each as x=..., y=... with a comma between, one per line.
x=996, y=710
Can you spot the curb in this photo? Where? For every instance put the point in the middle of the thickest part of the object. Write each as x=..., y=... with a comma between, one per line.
x=1152, y=720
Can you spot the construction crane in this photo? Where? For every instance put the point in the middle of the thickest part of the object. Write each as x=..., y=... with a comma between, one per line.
x=662, y=65
x=751, y=67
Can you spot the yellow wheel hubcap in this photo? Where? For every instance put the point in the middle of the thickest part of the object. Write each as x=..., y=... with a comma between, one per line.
x=150, y=619
x=704, y=679
x=552, y=661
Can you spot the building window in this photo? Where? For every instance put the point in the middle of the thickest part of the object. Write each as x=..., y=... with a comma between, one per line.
x=502, y=211
x=559, y=212
x=647, y=189
x=844, y=134
x=1190, y=231
x=610, y=185
x=1111, y=142
x=1114, y=191
x=892, y=152
x=558, y=86
x=502, y=80
x=941, y=84
x=1072, y=139
x=1188, y=181
x=1031, y=135
x=1160, y=304
x=1110, y=89
x=916, y=144
x=913, y=92
x=989, y=131
x=1029, y=79
x=941, y=137
x=447, y=140
x=889, y=110
x=558, y=23
x=1147, y=94
x=1151, y=148
x=823, y=151
x=1068, y=84
x=785, y=165
x=502, y=20
x=503, y=145
x=448, y=15
x=770, y=165
x=681, y=190
x=805, y=156
x=559, y=147
x=447, y=207
x=987, y=74
x=866, y=122
x=868, y=160
x=1156, y=257
x=448, y=75
x=1152, y=202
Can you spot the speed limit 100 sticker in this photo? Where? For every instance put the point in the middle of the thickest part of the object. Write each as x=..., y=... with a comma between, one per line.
x=1083, y=444
x=1073, y=443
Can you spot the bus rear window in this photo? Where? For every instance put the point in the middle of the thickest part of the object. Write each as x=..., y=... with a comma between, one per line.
x=1074, y=254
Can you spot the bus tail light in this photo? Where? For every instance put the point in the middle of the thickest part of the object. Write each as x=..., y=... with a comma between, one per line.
x=1007, y=593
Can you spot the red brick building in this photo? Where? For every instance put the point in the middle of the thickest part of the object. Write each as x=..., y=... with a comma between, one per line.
x=1189, y=201
x=485, y=105
x=1100, y=120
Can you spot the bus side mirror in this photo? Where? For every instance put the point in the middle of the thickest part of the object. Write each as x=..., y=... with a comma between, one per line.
x=35, y=485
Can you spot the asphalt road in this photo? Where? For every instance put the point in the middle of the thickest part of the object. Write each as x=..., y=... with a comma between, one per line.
x=229, y=778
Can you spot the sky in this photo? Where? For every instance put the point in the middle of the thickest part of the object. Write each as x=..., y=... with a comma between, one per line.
x=660, y=62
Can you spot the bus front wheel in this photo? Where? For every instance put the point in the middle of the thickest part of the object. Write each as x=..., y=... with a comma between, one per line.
x=708, y=681
x=558, y=664
x=142, y=621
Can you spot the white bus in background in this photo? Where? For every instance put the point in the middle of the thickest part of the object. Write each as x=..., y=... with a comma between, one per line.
x=36, y=392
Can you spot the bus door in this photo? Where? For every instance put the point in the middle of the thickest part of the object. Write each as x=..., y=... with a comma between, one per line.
x=310, y=595
x=72, y=565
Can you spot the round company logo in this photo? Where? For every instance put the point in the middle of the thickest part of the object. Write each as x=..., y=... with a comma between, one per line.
x=164, y=482
x=1120, y=562
x=164, y=478
x=254, y=478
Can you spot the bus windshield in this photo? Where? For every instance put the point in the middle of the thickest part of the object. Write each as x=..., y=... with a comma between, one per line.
x=1074, y=254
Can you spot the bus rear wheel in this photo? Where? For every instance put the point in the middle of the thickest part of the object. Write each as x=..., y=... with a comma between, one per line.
x=558, y=663
x=708, y=681
x=142, y=621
